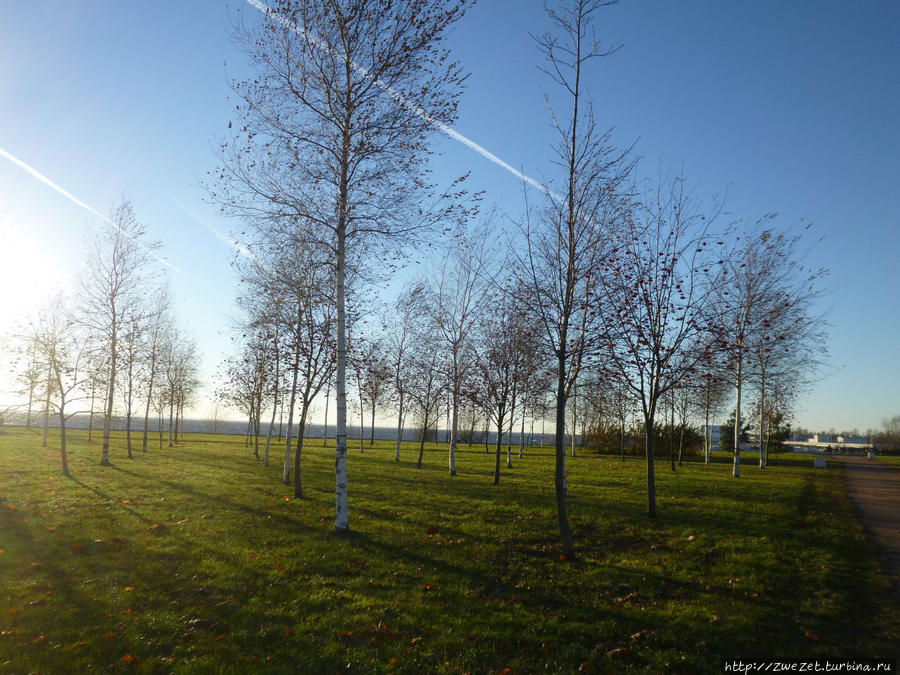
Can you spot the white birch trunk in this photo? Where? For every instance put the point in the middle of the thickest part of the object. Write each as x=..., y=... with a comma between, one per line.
x=340, y=447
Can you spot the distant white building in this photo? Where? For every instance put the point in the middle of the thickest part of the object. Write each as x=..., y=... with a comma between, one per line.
x=715, y=435
x=852, y=439
x=822, y=438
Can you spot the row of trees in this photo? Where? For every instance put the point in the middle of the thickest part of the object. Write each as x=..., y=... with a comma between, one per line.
x=608, y=282
x=113, y=344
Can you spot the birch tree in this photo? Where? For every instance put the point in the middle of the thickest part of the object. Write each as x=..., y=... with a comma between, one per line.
x=765, y=283
x=118, y=269
x=458, y=291
x=63, y=352
x=334, y=128
x=399, y=330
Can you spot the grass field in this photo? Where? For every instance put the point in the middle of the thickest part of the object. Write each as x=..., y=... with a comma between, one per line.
x=198, y=559
x=892, y=461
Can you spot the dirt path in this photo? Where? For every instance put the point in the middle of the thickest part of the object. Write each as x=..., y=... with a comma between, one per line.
x=875, y=492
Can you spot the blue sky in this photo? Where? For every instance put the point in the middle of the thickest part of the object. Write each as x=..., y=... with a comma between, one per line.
x=789, y=107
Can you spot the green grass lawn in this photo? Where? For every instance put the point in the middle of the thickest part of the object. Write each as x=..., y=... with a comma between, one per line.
x=892, y=461
x=198, y=559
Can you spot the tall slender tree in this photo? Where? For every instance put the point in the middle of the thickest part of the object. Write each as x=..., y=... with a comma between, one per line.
x=567, y=243
x=118, y=269
x=335, y=129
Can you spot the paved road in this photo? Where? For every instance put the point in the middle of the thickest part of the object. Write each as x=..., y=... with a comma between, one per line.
x=875, y=491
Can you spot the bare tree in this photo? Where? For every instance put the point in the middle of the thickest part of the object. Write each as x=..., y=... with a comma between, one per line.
x=335, y=130
x=564, y=251
x=764, y=280
x=425, y=388
x=117, y=270
x=655, y=299
x=131, y=365
x=157, y=322
x=457, y=292
x=63, y=352
x=376, y=375
x=30, y=376
x=500, y=346
x=399, y=330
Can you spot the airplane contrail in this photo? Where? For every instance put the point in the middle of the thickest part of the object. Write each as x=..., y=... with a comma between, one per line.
x=218, y=234
x=418, y=111
x=68, y=195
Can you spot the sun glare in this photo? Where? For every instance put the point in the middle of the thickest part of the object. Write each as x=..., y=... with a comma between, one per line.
x=26, y=278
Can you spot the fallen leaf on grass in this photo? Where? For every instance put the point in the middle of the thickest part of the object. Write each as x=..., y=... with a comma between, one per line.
x=279, y=567
x=128, y=658
x=428, y=587
x=812, y=637
x=693, y=537
x=640, y=635
x=617, y=652
x=39, y=639
x=128, y=589
x=13, y=610
x=83, y=643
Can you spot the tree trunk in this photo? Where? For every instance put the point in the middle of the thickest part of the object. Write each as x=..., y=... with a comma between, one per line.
x=422, y=442
x=107, y=417
x=301, y=430
x=172, y=417
x=622, y=436
x=341, y=521
x=62, y=441
x=269, y=433
x=672, y=433
x=399, y=427
x=362, y=413
x=91, y=415
x=497, y=451
x=275, y=403
x=736, y=471
x=559, y=477
x=129, y=397
x=372, y=436
x=651, y=478
x=292, y=401
x=762, y=418
x=30, y=394
x=522, y=435
x=146, y=407
x=707, y=436
x=325, y=423
x=574, y=425
x=47, y=409
x=454, y=414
